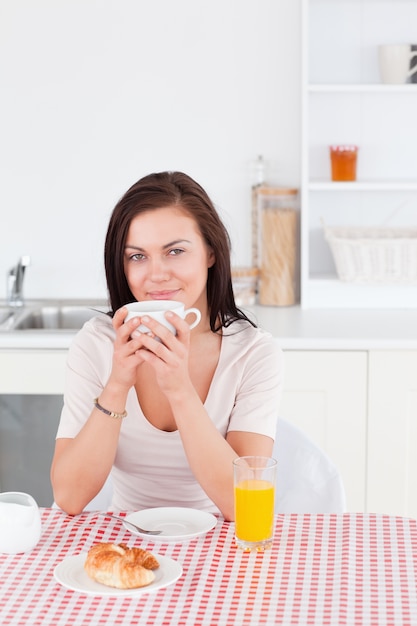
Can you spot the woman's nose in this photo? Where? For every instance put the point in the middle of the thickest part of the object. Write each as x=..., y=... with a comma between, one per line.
x=158, y=270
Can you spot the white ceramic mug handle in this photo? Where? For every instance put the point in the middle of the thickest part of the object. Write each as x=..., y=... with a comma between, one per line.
x=197, y=315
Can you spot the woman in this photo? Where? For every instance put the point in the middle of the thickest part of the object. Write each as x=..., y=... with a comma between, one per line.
x=195, y=400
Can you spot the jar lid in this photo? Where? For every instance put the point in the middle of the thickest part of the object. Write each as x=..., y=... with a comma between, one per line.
x=344, y=148
x=239, y=272
x=277, y=191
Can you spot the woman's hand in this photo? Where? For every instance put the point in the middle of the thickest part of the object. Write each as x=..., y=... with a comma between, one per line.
x=127, y=353
x=167, y=353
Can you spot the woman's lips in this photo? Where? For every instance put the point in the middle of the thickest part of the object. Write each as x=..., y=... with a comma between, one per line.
x=163, y=295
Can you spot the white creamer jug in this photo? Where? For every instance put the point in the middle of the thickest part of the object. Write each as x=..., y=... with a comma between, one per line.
x=20, y=522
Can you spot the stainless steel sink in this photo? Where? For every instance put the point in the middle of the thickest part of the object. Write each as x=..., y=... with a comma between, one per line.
x=5, y=314
x=56, y=318
x=49, y=317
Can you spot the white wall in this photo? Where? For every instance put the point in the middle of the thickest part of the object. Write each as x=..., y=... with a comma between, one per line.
x=97, y=93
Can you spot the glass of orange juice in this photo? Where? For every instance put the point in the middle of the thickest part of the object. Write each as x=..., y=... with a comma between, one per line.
x=254, y=485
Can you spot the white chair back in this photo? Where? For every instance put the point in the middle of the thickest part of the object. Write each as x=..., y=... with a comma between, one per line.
x=307, y=480
x=102, y=501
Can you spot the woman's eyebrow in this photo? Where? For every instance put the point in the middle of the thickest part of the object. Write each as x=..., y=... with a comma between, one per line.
x=175, y=243
x=164, y=247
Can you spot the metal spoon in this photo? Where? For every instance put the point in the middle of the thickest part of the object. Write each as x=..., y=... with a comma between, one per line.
x=138, y=528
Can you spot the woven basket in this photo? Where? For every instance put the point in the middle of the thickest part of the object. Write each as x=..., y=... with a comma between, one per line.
x=365, y=255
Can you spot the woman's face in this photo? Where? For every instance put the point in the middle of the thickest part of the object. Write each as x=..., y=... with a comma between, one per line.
x=166, y=258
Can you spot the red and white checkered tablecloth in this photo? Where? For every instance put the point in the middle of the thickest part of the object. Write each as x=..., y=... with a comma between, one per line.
x=322, y=569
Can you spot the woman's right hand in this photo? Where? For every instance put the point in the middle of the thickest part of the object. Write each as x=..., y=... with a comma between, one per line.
x=126, y=356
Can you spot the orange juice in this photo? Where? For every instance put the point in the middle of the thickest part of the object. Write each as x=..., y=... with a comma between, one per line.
x=254, y=510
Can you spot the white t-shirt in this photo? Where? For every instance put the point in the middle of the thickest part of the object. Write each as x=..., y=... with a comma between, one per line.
x=151, y=467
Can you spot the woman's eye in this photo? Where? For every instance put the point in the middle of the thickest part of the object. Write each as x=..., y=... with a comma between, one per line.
x=137, y=257
x=175, y=251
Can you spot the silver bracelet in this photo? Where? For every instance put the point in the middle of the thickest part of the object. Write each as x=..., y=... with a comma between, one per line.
x=118, y=416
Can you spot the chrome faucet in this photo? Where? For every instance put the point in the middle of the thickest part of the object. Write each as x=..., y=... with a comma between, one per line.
x=15, y=282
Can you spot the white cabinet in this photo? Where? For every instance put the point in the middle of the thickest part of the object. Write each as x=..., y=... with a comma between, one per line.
x=392, y=433
x=325, y=395
x=32, y=371
x=361, y=408
x=343, y=101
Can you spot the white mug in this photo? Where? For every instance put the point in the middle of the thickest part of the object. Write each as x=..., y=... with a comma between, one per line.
x=395, y=63
x=20, y=522
x=157, y=309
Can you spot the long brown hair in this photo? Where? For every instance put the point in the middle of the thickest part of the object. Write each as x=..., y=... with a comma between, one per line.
x=157, y=191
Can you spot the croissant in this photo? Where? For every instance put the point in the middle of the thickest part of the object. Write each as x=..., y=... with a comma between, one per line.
x=120, y=566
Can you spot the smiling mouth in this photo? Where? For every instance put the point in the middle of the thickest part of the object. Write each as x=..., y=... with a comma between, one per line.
x=163, y=295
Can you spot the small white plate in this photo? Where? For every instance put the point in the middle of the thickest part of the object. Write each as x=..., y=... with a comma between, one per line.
x=71, y=574
x=176, y=523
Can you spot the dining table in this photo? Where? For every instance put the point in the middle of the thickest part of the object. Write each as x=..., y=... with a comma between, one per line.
x=322, y=569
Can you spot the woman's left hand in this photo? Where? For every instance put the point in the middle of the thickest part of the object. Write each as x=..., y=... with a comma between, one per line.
x=167, y=353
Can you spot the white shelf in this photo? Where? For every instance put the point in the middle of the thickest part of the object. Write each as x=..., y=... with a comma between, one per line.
x=343, y=101
x=406, y=185
x=330, y=292
x=377, y=88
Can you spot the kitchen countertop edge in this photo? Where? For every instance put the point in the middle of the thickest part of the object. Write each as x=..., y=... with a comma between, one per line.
x=293, y=327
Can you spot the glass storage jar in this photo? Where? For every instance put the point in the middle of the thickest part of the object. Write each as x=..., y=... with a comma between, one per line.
x=277, y=245
x=245, y=282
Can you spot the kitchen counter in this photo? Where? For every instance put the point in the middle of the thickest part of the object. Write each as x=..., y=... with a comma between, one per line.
x=293, y=327
x=340, y=329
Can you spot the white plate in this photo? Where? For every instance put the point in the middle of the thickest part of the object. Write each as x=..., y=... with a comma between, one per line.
x=70, y=573
x=176, y=523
